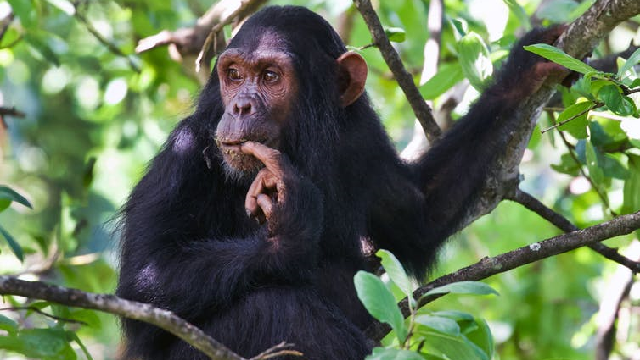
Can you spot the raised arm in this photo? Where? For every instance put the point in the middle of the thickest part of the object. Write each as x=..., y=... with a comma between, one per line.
x=444, y=182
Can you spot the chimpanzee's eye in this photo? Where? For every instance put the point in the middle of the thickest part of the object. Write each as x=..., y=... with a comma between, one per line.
x=234, y=74
x=270, y=76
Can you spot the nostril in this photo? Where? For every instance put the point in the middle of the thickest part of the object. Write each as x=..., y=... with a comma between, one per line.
x=242, y=107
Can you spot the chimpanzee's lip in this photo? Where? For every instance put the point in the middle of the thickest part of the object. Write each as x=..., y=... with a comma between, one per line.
x=232, y=142
x=228, y=143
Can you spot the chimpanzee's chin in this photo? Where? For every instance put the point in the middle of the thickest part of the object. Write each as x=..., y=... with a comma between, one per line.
x=241, y=167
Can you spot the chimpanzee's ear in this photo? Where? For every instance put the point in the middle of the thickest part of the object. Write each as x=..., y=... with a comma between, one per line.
x=353, y=75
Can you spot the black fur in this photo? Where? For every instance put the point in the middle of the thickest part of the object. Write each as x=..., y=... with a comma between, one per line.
x=188, y=245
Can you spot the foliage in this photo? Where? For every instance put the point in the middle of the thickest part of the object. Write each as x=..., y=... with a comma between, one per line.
x=95, y=113
x=425, y=333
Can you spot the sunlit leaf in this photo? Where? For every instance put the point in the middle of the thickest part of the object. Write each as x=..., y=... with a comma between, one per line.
x=595, y=170
x=463, y=287
x=575, y=119
x=474, y=59
x=447, y=76
x=7, y=193
x=379, y=301
x=631, y=192
x=393, y=354
x=481, y=336
x=64, y=5
x=7, y=324
x=559, y=57
x=395, y=34
x=13, y=244
x=633, y=60
x=441, y=324
x=396, y=272
x=452, y=347
x=613, y=98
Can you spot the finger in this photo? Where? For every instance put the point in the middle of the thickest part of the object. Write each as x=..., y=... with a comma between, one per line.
x=255, y=189
x=271, y=158
x=265, y=203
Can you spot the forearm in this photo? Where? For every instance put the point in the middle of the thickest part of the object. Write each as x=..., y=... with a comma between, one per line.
x=222, y=270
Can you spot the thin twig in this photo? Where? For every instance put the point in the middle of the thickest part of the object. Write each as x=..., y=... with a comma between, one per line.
x=562, y=223
x=276, y=351
x=216, y=28
x=489, y=266
x=36, y=310
x=420, y=107
x=101, y=39
x=593, y=106
x=572, y=153
x=6, y=22
x=11, y=112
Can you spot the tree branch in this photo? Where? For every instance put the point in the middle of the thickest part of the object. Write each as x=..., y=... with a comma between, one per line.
x=186, y=43
x=535, y=205
x=487, y=267
x=205, y=51
x=578, y=40
x=164, y=319
x=403, y=77
x=11, y=112
x=102, y=40
x=618, y=288
x=5, y=23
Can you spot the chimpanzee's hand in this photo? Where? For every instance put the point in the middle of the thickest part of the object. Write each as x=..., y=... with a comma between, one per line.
x=525, y=72
x=280, y=197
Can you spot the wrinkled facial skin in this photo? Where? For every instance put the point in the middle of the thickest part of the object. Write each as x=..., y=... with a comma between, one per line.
x=257, y=88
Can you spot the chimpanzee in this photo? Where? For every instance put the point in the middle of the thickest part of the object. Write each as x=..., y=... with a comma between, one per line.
x=249, y=221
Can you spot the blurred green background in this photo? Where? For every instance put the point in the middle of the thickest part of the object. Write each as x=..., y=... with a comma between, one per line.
x=94, y=118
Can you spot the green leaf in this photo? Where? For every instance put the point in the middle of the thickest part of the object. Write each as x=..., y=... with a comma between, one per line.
x=63, y=5
x=480, y=335
x=451, y=347
x=631, y=191
x=6, y=193
x=557, y=11
x=84, y=349
x=575, y=117
x=8, y=324
x=438, y=323
x=380, y=353
x=15, y=247
x=396, y=272
x=463, y=287
x=41, y=48
x=396, y=34
x=559, y=57
x=447, y=76
x=380, y=303
x=455, y=315
x=521, y=14
x=4, y=204
x=474, y=59
x=595, y=170
x=614, y=99
x=50, y=344
x=22, y=9
x=567, y=166
x=633, y=60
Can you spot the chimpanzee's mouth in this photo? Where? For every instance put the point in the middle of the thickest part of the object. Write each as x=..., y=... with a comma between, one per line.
x=235, y=144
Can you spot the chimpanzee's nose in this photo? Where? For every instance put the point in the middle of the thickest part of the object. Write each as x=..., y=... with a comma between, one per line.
x=242, y=106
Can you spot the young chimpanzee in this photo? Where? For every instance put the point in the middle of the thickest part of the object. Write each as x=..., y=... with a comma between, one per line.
x=249, y=221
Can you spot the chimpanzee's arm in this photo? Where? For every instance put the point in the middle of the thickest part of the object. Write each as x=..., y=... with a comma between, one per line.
x=446, y=180
x=178, y=235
